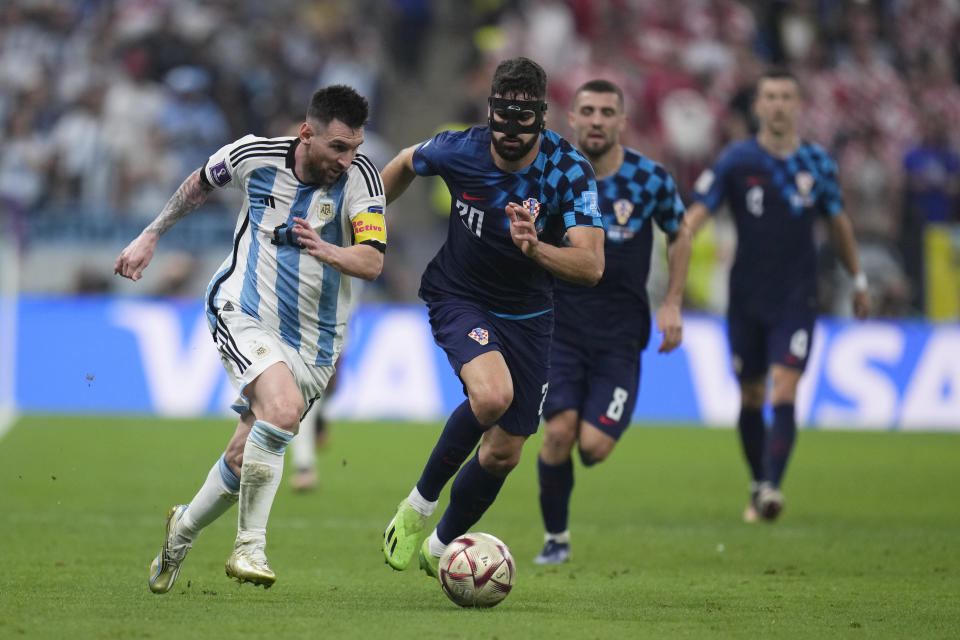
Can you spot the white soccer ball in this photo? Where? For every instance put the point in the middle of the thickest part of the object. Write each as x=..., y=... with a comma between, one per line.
x=477, y=570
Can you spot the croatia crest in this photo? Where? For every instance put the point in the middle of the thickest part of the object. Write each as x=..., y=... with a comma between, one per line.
x=533, y=206
x=480, y=335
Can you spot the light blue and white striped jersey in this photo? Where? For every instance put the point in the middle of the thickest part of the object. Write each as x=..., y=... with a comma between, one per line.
x=268, y=275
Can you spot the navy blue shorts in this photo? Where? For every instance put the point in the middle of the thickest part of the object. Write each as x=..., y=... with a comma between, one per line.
x=601, y=383
x=464, y=331
x=757, y=341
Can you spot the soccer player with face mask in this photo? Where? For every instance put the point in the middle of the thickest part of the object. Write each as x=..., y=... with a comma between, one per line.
x=776, y=185
x=595, y=375
x=517, y=189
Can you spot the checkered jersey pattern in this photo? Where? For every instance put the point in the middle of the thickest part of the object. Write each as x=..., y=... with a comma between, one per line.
x=478, y=261
x=641, y=190
x=774, y=201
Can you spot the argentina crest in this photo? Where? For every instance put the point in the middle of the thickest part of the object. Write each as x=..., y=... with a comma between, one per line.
x=323, y=209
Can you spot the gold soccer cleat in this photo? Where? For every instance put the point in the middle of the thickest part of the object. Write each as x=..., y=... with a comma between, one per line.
x=249, y=564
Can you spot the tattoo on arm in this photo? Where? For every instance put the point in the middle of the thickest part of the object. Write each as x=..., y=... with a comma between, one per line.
x=190, y=195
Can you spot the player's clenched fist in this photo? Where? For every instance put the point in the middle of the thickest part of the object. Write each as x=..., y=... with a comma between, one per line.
x=136, y=256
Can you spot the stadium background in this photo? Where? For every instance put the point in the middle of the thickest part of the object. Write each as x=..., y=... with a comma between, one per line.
x=106, y=106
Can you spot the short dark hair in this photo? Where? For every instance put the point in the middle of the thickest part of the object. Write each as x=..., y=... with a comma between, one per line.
x=339, y=102
x=519, y=77
x=599, y=85
x=778, y=73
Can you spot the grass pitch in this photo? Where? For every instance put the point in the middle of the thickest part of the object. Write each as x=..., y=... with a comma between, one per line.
x=867, y=547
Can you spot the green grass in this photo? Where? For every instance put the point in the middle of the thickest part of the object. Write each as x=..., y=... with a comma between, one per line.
x=868, y=546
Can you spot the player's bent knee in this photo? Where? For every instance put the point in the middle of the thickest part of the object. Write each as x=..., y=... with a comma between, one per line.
x=752, y=394
x=283, y=415
x=498, y=462
x=500, y=467
x=489, y=405
x=590, y=458
x=234, y=459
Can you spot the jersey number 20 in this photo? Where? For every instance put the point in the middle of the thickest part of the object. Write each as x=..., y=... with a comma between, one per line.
x=471, y=217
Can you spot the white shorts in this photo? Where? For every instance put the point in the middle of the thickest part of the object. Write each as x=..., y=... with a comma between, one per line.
x=247, y=349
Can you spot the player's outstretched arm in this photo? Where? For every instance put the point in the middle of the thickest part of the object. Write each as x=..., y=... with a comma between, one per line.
x=138, y=254
x=669, y=317
x=398, y=174
x=582, y=262
x=696, y=216
x=359, y=260
x=846, y=245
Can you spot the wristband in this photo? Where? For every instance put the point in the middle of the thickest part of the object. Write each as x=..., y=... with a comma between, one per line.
x=860, y=282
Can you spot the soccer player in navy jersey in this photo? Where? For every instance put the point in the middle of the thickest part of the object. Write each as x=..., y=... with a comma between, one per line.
x=517, y=188
x=600, y=331
x=775, y=185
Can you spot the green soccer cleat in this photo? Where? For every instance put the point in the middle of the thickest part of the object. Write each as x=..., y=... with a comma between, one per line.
x=429, y=563
x=248, y=563
x=166, y=566
x=402, y=535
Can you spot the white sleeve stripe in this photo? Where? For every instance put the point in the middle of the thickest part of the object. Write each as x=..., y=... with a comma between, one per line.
x=370, y=175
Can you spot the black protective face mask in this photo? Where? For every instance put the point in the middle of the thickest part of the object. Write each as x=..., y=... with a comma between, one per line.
x=512, y=113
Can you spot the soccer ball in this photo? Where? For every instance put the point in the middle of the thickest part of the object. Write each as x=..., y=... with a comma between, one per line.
x=477, y=570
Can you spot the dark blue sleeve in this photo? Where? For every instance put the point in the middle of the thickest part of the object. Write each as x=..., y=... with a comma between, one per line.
x=669, y=209
x=829, y=201
x=710, y=187
x=427, y=158
x=577, y=193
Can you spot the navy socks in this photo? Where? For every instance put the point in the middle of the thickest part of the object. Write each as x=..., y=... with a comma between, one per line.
x=473, y=491
x=457, y=440
x=752, y=432
x=556, y=485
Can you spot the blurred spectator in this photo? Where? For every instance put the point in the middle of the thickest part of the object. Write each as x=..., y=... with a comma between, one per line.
x=132, y=104
x=191, y=122
x=932, y=169
x=81, y=155
x=24, y=163
x=870, y=183
x=407, y=34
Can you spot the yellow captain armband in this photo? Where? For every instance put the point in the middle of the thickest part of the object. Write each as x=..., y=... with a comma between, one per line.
x=370, y=226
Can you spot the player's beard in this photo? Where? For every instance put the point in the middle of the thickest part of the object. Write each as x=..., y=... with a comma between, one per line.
x=595, y=149
x=321, y=173
x=513, y=153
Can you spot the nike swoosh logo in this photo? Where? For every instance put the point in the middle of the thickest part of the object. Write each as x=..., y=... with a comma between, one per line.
x=466, y=197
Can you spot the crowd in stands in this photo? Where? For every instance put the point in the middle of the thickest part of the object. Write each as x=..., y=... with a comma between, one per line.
x=106, y=105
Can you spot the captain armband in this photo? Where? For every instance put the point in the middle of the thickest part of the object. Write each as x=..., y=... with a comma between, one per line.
x=370, y=227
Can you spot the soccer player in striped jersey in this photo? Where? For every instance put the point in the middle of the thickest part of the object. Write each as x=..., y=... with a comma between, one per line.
x=312, y=220
x=516, y=189
x=776, y=185
x=595, y=375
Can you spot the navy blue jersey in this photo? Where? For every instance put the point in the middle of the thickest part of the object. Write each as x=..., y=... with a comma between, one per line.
x=479, y=262
x=617, y=309
x=774, y=202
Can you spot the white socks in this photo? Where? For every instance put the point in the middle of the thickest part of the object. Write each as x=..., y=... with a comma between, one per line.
x=218, y=493
x=563, y=536
x=436, y=547
x=259, y=480
x=420, y=504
